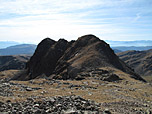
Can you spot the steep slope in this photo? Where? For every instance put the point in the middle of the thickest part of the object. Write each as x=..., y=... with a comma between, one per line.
x=46, y=56
x=67, y=60
x=140, y=61
x=88, y=52
x=18, y=49
x=13, y=62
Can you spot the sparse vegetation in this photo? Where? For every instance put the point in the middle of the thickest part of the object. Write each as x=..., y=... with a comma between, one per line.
x=123, y=96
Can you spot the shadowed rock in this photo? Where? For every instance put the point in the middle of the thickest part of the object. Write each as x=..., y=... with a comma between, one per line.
x=64, y=60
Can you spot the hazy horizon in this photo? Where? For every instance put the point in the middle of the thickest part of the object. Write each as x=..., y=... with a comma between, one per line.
x=136, y=43
x=22, y=42
x=30, y=21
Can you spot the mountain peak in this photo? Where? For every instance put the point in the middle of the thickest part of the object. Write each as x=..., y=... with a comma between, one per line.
x=67, y=60
x=88, y=38
x=47, y=41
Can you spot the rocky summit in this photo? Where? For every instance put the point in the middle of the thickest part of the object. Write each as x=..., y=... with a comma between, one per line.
x=69, y=60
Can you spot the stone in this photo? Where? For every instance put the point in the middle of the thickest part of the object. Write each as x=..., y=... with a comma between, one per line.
x=106, y=111
x=111, y=78
x=70, y=111
x=29, y=89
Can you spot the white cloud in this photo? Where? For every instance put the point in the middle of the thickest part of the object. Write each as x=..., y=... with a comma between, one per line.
x=137, y=17
x=36, y=19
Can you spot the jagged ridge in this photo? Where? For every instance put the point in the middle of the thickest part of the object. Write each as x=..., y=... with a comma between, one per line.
x=65, y=60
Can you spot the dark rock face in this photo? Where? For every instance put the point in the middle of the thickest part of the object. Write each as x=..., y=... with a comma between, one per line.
x=67, y=59
x=46, y=56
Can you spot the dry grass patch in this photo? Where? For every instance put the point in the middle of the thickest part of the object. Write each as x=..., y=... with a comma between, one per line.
x=148, y=78
x=126, y=90
x=8, y=73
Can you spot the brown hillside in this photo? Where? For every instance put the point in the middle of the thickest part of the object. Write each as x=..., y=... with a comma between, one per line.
x=140, y=61
x=16, y=62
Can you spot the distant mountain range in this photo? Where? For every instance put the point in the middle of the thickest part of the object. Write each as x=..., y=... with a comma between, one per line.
x=136, y=43
x=18, y=49
x=139, y=45
x=5, y=44
x=125, y=48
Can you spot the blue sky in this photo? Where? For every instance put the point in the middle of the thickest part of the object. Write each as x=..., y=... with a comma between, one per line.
x=30, y=21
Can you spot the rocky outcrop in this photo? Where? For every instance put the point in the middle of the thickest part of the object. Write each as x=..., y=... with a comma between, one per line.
x=88, y=52
x=46, y=56
x=65, y=60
